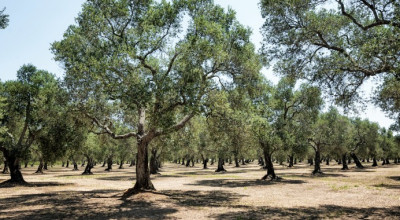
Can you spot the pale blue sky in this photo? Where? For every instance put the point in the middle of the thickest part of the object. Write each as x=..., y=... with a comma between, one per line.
x=34, y=25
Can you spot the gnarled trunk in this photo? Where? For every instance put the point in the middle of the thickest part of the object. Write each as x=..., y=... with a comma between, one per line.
x=15, y=169
x=345, y=167
x=269, y=166
x=220, y=166
x=317, y=166
x=89, y=166
x=356, y=160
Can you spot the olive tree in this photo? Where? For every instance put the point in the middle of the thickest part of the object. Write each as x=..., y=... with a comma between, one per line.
x=156, y=60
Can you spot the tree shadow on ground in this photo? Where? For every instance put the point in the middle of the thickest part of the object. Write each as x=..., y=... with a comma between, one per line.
x=388, y=186
x=215, y=198
x=96, y=204
x=234, y=183
x=309, y=175
x=396, y=178
x=117, y=178
x=6, y=184
x=352, y=169
x=322, y=212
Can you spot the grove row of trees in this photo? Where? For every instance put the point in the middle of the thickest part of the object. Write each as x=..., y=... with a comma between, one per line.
x=168, y=79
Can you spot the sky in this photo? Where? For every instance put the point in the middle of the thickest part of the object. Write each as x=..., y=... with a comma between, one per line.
x=34, y=25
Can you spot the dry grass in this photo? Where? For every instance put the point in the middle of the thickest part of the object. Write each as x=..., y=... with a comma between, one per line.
x=194, y=193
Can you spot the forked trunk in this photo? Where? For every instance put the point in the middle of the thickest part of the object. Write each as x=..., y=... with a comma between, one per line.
x=317, y=166
x=345, y=167
x=356, y=160
x=220, y=166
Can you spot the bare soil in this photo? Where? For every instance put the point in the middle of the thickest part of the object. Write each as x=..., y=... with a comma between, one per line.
x=194, y=193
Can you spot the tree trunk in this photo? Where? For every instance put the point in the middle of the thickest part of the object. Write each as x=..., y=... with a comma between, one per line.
x=67, y=164
x=183, y=161
x=311, y=162
x=243, y=161
x=212, y=161
x=83, y=163
x=40, y=167
x=15, y=169
x=327, y=161
x=368, y=160
x=143, y=181
x=89, y=166
x=26, y=165
x=205, y=161
x=260, y=161
x=220, y=166
x=121, y=165
x=132, y=163
x=187, y=162
x=355, y=158
x=109, y=164
x=62, y=164
x=345, y=167
x=349, y=162
x=291, y=161
x=153, y=162
x=317, y=166
x=269, y=166
x=387, y=161
x=192, y=162
x=75, y=165
x=237, y=164
x=45, y=166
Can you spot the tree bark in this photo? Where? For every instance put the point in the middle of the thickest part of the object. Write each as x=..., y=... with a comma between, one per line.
x=89, y=166
x=205, y=161
x=14, y=167
x=220, y=166
x=121, y=164
x=269, y=166
x=75, y=165
x=356, y=160
x=40, y=167
x=237, y=162
x=109, y=164
x=317, y=166
x=291, y=161
x=67, y=166
x=143, y=181
x=374, y=162
x=153, y=161
x=345, y=167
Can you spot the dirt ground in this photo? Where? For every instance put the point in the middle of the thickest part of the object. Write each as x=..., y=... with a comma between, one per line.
x=194, y=193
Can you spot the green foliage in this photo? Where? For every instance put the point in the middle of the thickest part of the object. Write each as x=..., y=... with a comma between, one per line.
x=338, y=47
